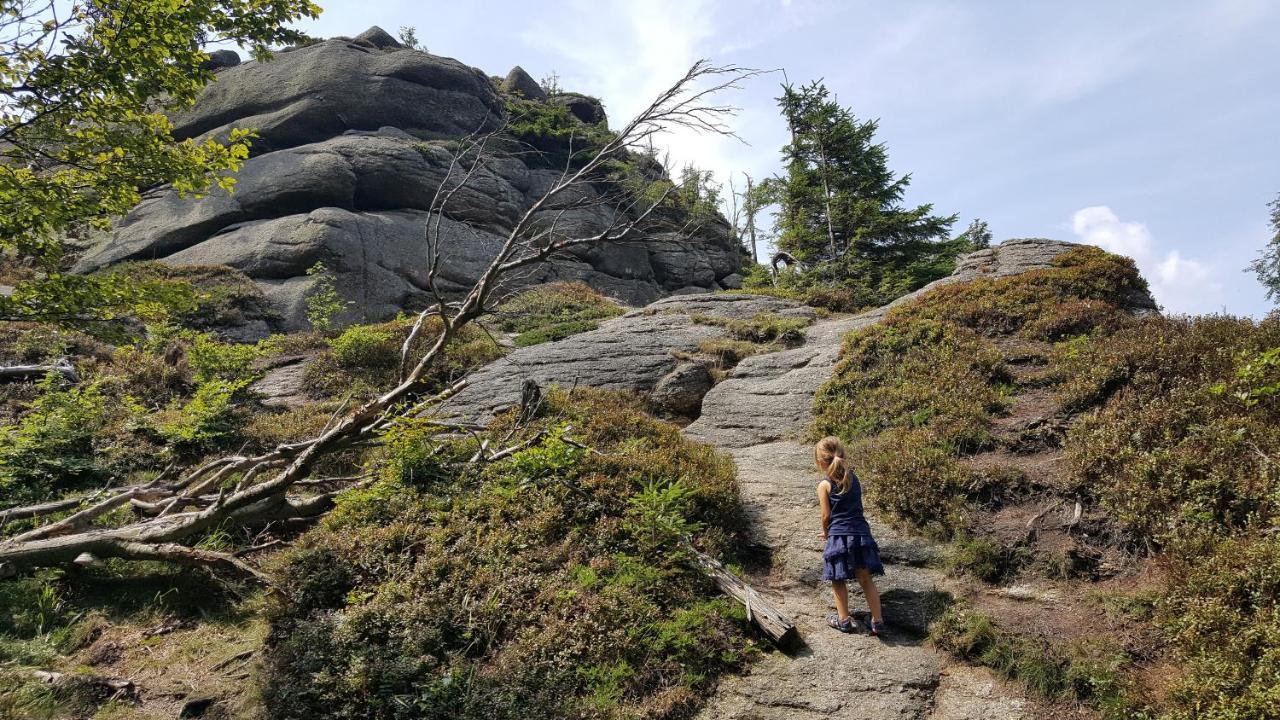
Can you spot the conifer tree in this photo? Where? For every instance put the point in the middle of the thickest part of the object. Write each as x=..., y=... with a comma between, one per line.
x=1267, y=266
x=842, y=207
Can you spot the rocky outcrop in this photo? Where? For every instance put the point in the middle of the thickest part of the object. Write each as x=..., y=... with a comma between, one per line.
x=519, y=81
x=354, y=136
x=636, y=352
x=1016, y=256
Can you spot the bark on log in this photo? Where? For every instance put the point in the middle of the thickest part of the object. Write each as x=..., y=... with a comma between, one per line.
x=30, y=511
x=35, y=372
x=106, y=687
x=772, y=621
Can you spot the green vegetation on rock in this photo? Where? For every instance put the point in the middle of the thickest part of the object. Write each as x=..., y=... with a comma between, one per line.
x=554, y=311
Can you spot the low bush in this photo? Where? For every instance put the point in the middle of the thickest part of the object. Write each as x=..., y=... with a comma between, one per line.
x=558, y=331
x=365, y=359
x=763, y=328
x=554, y=311
x=210, y=419
x=1087, y=289
x=984, y=559
x=546, y=585
x=59, y=445
x=1181, y=447
x=553, y=132
x=1223, y=612
x=1088, y=670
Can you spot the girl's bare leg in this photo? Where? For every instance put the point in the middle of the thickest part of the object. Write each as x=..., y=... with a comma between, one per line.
x=871, y=592
x=840, y=589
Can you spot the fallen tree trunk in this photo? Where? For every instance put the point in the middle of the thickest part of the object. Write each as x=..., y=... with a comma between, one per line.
x=104, y=688
x=35, y=372
x=769, y=619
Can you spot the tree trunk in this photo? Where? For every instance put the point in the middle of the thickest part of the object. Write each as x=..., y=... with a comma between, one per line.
x=826, y=198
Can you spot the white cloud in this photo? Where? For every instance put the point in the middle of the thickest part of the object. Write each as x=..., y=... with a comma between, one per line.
x=1179, y=284
x=627, y=53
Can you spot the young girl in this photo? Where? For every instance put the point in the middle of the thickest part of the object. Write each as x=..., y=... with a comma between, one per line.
x=850, y=550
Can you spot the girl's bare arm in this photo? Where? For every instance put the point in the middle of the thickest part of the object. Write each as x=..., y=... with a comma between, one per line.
x=824, y=487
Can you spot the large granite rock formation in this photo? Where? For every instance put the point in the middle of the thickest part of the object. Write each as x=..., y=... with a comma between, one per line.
x=354, y=138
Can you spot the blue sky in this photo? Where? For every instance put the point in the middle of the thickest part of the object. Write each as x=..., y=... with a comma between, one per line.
x=1147, y=127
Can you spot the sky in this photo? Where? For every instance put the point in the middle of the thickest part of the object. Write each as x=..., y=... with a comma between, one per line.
x=1149, y=128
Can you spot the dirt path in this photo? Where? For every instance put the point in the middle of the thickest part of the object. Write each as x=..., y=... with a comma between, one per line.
x=756, y=416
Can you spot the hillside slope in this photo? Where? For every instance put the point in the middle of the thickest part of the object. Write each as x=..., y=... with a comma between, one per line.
x=1108, y=483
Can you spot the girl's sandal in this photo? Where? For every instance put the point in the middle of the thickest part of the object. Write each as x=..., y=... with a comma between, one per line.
x=848, y=625
x=877, y=627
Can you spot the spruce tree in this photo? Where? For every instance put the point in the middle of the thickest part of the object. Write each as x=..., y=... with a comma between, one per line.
x=842, y=208
x=1267, y=266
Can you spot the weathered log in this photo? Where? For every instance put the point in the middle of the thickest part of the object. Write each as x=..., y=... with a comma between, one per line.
x=771, y=621
x=30, y=511
x=34, y=372
x=105, y=687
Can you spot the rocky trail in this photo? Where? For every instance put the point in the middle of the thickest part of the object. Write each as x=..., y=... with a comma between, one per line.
x=757, y=416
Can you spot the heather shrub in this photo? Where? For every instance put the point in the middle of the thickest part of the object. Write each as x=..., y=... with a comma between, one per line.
x=554, y=311
x=1086, y=289
x=548, y=584
x=763, y=328
x=365, y=359
x=922, y=375
x=1182, y=446
x=1222, y=611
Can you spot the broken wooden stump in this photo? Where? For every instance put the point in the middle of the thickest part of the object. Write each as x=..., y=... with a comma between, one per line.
x=769, y=619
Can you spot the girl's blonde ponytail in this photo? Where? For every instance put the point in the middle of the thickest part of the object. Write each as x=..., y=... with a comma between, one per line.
x=828, y=455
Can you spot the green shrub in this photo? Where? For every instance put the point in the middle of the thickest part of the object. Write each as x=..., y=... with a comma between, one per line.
x=984, y=559
x=554, y=133
x=367, y=347
x=559, y=331
x=213, y=359
x=914, y=375
x=59, y=444
x=1223, y=613
x=1086, y=289
x=1180, y=447
x=554, y=311
x=209, y=419
x=365, y=359
x=323, y=302
x=529, y=587
x=763, y=328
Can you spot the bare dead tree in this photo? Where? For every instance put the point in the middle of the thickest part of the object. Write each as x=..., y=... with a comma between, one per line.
x=750, y=209
x=239, y=491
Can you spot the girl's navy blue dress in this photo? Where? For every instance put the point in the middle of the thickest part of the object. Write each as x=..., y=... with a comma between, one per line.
x=849, y=542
